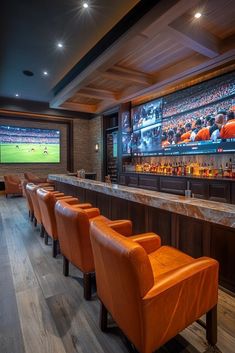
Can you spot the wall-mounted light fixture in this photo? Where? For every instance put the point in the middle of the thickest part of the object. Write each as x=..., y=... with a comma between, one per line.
x=96, y=147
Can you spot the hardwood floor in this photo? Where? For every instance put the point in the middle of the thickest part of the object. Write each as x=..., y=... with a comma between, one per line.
x=41, y=311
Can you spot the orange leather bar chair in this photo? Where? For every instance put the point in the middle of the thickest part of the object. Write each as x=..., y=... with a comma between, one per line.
x=31, y=190
x=12, y=185
x=74, y=238
x=152, y=292
x=29, y=202
x=47, y=201
x=32, y=178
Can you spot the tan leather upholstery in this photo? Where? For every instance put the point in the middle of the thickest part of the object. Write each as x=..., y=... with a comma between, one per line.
x=47, y=201
x=73, y=232
x=27, y=196
x=32, y=178
x=12, y=185
x=158, y=288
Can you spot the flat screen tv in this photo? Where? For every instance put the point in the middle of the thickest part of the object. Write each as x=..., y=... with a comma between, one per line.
x=126, y=133
x=147, y=114
x=29, y=145
x=191, y=121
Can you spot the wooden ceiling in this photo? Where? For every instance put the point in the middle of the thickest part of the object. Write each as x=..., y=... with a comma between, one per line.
x=167, y=47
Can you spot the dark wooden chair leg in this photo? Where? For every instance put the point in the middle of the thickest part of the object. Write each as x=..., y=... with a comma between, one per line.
x=65, y=266
x=46, y=239
x=35, y=222
x=32, y=217
x=211, y=326
x=87, y=285
x=54, y=247
x=103, y=317
x=42, y=231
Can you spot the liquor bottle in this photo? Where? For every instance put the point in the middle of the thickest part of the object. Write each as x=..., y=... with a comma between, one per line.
x=226, y=171
x=230, y=168
x=221, y=171
x=185, y=169
x=233, y=169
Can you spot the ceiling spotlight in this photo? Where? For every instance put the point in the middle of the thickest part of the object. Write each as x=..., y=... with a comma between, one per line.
x=197, y=15
x=45, y=73
x=60, y=45
x=85, y=5
x=17, y=94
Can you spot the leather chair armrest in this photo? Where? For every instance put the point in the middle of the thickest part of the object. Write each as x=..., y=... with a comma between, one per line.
x=63, y=197
x=123, y=227
x=70, y=200
x=149, y=241
x=57, y=194
x=92, y=212
x=186, y=273
x=84, y=206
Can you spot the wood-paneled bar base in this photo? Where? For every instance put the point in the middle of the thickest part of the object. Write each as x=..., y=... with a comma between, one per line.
x=197, y=227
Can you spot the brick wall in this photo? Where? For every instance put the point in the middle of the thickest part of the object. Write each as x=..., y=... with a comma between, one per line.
x=95, y=136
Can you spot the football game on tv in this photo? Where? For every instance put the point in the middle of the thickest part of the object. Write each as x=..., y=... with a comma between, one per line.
x=196, y=120
x=29, y=145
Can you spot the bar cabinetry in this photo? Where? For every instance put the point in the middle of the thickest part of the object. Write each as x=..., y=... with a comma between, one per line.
x=221, y=190
x=198, y=228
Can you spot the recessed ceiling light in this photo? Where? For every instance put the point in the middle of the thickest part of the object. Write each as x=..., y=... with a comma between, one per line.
x=17, y=94
x=197, y=15
x=60, y=45
x=85, y=5
x=45, y=73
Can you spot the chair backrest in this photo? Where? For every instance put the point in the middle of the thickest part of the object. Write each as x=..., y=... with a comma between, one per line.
x=30, y=176
x=31, y=189
x=28, y=196
x=74, y=235
x=34, y=178
x=12, y=178
x=123, y=276
x=12, y=184
x=47, y=202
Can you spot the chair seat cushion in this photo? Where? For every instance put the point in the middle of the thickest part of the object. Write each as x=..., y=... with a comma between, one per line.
x=166, y=259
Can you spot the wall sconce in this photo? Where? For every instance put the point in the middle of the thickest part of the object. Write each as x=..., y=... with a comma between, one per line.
x=96, y=147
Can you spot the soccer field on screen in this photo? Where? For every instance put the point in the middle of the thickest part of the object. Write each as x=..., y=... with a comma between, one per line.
x=29, y=153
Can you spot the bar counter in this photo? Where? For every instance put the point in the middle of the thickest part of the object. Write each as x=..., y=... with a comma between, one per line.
x=197, y=227
x=210, y=211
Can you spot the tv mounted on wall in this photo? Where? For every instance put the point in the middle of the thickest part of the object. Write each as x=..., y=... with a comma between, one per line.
x=188, y=121
x=29, y=145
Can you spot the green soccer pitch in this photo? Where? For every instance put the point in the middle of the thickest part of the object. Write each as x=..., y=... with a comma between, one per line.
x=29, y=153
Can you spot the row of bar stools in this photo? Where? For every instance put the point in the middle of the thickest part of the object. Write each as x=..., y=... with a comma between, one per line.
x=73, y=224
x=47, y=201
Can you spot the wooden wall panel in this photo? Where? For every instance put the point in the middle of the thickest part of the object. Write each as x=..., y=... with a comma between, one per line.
x=222, y=249
x=119, y=208
x=160, y=222
x=190, y=238
x=137, y=213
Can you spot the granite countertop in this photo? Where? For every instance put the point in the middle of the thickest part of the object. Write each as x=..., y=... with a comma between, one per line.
x=210, y=211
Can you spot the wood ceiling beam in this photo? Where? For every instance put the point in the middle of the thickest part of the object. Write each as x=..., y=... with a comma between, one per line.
x=118, y=73
x=193, y=36
x=107, y=58
x=98, y=93
x=180, y=71
x=88, y=108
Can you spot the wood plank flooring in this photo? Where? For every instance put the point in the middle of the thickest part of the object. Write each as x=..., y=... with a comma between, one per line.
x=41, y=311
